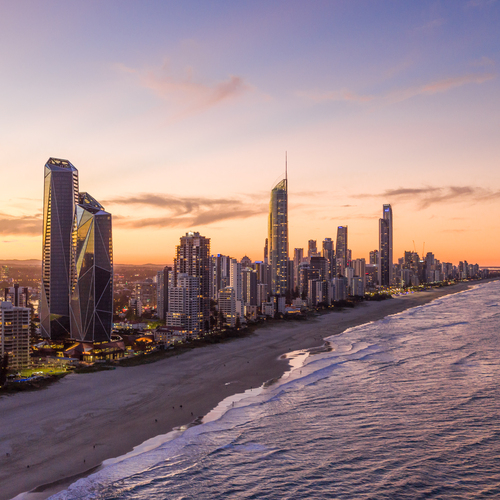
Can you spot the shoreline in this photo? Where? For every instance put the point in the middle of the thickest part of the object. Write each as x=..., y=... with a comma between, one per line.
x=57, y=435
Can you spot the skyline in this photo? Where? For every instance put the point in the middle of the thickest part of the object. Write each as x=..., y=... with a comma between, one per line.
x=180, y=116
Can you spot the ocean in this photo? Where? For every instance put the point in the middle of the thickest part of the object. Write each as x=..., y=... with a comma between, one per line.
x=406, y=407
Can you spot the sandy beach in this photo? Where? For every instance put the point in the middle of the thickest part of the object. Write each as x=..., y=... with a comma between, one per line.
x=51, y=436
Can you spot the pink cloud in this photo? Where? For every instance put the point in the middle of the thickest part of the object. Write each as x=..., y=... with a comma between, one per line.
x=401, y=94
x=336, y=95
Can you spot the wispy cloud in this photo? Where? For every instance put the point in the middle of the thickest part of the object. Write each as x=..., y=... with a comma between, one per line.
x=437, y=86
x=29, y=225
x=187, y=90
x=336, y=95
x=427, y=196
x=187, y=212
x=402, y=94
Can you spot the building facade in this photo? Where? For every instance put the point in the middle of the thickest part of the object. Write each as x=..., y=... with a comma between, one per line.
x=91, y=307
x=342, y=252
x=184, y=306
x=60, y=197
x=15, y=335
x=278, y=237
x=385, y=266
x=193, y=259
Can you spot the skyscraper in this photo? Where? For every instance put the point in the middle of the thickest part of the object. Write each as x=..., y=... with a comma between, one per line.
x=385, y=248
x=341, y=256
x=60, y=197
x=328, y=253
x=278, y=237
x=193, y=259
x=91, y=307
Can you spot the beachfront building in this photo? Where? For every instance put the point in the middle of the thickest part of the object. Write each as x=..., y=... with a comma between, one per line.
x=15, y=335
x=278, y=237
x=60, y=197
x=91, y=306
x=385, y=265
x=185, y=315
x=227, y=306
x=193, y=259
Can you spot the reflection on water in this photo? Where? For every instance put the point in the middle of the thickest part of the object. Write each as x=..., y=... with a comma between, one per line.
x=406, y=407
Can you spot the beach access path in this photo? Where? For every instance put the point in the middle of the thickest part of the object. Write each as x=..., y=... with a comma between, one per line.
x=51, y=436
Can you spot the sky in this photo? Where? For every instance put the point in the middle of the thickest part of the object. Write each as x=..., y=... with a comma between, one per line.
x=178, y=115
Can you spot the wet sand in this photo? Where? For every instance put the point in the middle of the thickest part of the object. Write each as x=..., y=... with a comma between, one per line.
x=51, y=437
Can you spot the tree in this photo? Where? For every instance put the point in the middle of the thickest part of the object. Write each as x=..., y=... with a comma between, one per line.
x=222, y=320
x=237, y=324
x=3, y=369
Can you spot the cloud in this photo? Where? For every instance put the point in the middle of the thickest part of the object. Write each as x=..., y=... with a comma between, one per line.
x=438, y=86
x=336, y=95
x=399, y=95
x=187, y=212
x=427, y=196
x=29, y=225
x=187, y=91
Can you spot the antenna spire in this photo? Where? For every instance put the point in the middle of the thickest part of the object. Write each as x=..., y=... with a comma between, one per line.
x=286, y=166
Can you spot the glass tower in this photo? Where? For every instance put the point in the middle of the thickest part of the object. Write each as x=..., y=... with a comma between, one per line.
x=385, y=248
x=91, y=305
x=278, y=237
x=60, y=197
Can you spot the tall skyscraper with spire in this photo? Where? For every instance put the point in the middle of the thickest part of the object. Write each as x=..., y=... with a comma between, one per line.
x=278, y=236
x=385, y=265
x=60, y=197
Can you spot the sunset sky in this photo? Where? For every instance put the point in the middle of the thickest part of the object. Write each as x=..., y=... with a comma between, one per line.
x=177, y=116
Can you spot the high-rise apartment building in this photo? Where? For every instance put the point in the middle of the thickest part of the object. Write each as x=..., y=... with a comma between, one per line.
x=249, y=287
x=278, y=237
x=342, y=253
x=236, y=283
x=328, y=253
x=185, y=312
x=227, y=306
x=15, y=335
x=385, y=265
x=193, y=259
x=374, y=257
x=91, y=307
x=60, y=197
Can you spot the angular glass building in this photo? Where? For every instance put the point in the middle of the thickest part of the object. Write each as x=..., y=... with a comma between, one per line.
x=385, y=263
x=60, y=197
x=278, y=237
x=91, y=308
